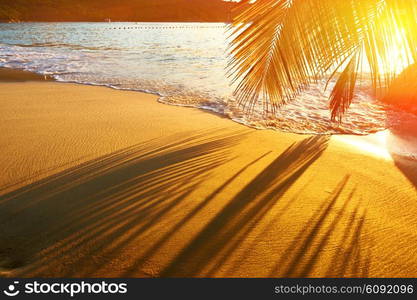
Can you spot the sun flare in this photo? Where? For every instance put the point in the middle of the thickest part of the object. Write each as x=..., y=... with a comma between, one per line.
x=284, y=49
x=397, y=57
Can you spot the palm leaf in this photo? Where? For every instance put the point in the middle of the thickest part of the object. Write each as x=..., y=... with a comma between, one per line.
x=281, y=46
x=343, y=92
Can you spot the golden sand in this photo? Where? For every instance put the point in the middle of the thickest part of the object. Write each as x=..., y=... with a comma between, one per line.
x=104, y=183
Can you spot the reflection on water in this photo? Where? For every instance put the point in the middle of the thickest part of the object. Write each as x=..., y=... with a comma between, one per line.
x=184, y=62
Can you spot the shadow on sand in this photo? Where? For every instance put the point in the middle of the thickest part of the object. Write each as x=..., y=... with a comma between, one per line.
x=121, y=194
x=75, y=222
x=222, y=235
x=302, y=255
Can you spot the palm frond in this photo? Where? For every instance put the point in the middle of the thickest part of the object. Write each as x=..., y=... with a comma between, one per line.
x=281, y=46
x=343, y=92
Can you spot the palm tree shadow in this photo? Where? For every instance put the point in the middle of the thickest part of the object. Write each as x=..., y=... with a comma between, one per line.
x=102, y=204
x=304, y=253
x=220, y=237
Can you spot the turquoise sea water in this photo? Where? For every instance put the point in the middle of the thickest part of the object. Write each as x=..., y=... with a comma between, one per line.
x=184, y=63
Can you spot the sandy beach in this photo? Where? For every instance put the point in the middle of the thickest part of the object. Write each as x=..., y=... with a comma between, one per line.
x=97, y=182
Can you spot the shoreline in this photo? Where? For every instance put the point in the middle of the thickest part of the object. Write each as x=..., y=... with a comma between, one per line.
x=99, y=182
x=11, y=75
x=18, y=75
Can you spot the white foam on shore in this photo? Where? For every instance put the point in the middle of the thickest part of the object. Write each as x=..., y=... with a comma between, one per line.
x=184, y=66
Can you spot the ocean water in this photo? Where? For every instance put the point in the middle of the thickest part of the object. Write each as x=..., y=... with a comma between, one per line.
x=184, y=63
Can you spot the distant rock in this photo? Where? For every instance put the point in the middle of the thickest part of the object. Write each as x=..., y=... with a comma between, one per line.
x=120, y=10
x=403, y=90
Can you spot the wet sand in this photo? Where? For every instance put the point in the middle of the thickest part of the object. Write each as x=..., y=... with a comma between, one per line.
x=103, y=183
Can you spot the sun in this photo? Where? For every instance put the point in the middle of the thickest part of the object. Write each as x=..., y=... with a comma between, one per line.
x=397, y=58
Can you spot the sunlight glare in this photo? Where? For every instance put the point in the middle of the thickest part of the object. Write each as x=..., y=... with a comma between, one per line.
x=374, y=144
x=397, y=56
